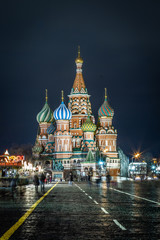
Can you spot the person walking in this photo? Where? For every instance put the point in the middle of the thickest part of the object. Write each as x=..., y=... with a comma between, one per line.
x=89, y=179
x=50, y=179
x=70, y=178
x=108, y=179
x=13, y=185
x=47, y=177
x=36, y=182
x=42, y=181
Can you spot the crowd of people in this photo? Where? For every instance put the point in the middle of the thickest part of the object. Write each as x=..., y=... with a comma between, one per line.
x=88, y=178
x=41, y=180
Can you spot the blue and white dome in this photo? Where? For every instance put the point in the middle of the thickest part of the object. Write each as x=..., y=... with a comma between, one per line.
x=62, y=113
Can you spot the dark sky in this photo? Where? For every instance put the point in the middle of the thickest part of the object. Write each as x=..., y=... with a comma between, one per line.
x=120, y=46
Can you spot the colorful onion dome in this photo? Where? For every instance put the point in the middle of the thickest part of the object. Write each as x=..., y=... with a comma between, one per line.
x=88, y=126
x=51, y=129
x=62, y=112
x=46, y=114
x=105, y=110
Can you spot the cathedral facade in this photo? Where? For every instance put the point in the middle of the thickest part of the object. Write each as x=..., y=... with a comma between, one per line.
x=69, y=136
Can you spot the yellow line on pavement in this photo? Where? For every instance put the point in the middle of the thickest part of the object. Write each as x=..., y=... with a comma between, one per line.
x=10, y=232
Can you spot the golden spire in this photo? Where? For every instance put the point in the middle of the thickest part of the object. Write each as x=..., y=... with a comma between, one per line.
x=78, y=51
x=46, y=96
x=62, y=96
x=105, y=93
x=79, y=59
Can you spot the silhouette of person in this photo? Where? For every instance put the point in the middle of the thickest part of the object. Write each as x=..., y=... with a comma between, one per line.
x=36, y=182
x=108, y=180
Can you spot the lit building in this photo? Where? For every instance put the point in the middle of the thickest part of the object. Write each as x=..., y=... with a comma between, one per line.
x=67, y=135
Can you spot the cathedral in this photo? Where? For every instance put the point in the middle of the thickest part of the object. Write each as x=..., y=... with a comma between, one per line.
x=68, y=136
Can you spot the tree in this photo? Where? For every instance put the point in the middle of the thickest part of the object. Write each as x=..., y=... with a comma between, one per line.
x=147, y=157
x=23, y=149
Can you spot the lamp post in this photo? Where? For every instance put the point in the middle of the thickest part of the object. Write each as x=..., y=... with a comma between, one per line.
x=136, y=155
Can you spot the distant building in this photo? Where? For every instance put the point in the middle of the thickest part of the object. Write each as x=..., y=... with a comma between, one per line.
x=124, y=163
x=69, y=134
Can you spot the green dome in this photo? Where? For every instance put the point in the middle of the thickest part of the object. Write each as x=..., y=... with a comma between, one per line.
x=37, y=148
x=88, y=126
x=45, y=115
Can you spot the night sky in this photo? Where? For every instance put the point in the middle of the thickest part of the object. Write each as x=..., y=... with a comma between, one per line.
x=120, y=46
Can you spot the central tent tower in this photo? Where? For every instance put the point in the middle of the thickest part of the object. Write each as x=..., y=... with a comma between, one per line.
x=79, y=104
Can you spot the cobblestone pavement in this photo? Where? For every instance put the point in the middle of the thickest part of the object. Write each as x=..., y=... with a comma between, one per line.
x=128, y=210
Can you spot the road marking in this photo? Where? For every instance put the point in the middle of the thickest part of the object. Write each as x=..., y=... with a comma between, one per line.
x=104, y=210
x=118, y=224
x=10, y=232
x=135, y=196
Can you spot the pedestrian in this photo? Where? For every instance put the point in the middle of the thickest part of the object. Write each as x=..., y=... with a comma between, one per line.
x=108, y=180
x=70, y=178
x=50, y=178
x=89, y=179
x=42, y=181
x=36, y=182
x=13, y=185
x=98, y=180
x=47, y=178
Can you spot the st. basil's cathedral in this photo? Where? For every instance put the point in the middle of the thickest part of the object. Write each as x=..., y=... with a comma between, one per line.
x=69, y=136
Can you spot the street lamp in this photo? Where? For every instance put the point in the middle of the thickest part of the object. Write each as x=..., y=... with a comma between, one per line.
x=136, y=155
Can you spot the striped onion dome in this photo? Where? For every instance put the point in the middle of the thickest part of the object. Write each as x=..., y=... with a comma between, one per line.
x=51, y=129
x=88, y=126
x=62, y=112
x=105, y=110
x=46, y=114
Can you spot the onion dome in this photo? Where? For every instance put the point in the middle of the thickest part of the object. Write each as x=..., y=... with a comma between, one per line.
x=46, y=114
x=62, y=112
x=37, y=148
x=51, y=129
x=105, y=110
x=79, y=59
x=88, y=126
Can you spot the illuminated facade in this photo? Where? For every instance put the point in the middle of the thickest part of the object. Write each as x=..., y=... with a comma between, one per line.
x=68, y=134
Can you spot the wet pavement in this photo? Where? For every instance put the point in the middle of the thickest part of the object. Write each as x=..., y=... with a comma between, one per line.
x=128, y=210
